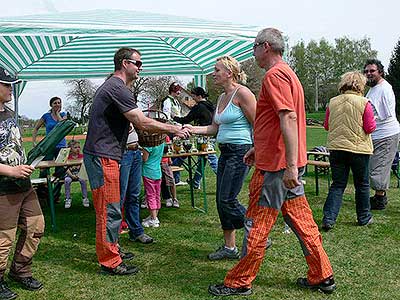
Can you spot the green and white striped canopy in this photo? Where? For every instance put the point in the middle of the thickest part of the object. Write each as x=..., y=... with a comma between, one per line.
x=82, y=44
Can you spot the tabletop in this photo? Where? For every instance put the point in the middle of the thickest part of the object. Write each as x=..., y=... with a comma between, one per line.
x=51, y=163
x=186, y=154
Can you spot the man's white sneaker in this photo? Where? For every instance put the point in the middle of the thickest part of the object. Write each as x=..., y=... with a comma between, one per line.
x=67, y=203
x=181, y=183
x=169, y=202
x=85, y=202
x=150, y=222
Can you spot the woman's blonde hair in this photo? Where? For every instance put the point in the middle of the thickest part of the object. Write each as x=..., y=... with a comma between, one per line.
x=231, y=64
x=352, y=81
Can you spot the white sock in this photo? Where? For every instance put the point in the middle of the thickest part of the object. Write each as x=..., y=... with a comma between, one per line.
x=229, y=248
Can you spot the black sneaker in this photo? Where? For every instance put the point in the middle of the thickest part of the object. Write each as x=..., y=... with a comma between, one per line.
x=28, y=283
x=121, y=269
x=126, y=256
x=327, y=286
x=5, y=292
x=326, y=226
x=223, y=290
x=378, y=202
x=369, y=222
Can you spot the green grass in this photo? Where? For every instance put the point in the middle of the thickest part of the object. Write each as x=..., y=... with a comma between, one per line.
x=316, y=136
x=320, y=115
x=365, y=259
x=27, y=132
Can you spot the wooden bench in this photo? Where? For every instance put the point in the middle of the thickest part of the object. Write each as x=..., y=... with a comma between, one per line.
x=177, y=169
x=39, y=181
x=318, y=164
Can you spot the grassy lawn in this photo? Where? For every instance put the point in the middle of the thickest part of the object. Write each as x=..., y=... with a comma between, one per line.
x=320, y=115
x=365, y=259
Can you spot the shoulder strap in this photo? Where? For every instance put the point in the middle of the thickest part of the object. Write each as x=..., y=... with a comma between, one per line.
x=233, y=94
x=218, y=101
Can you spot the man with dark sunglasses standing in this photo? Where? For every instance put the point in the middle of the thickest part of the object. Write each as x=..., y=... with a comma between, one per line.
x=19, y=204
x=112, y=110
x=385, y=138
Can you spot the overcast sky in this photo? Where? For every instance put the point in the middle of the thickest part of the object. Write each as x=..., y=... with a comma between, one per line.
x=298, y=19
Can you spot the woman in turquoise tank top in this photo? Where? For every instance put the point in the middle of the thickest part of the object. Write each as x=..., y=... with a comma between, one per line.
x=232, y=123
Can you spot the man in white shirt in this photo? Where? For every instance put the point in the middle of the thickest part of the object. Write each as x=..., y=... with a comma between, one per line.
x=386, y=136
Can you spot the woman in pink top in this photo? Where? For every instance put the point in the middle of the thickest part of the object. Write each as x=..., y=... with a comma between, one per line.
x=349, y=121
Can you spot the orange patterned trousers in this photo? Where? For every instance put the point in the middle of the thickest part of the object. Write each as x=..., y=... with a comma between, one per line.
x=259, y=222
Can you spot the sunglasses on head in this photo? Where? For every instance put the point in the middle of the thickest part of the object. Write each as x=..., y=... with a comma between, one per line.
x=137, y=63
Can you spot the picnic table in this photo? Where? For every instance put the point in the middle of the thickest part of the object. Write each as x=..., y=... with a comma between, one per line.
x=190, y=165
x=320, y=161
x=47, y=165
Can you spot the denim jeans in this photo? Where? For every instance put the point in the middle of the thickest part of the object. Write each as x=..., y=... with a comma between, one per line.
x=178, y=161
x=213, y=161
x=230, y=177
x=341, y=163
x=130, y=183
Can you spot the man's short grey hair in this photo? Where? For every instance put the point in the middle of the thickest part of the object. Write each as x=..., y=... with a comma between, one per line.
x=273, y=37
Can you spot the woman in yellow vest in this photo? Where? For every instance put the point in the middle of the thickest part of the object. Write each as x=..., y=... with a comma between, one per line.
x=349, y=120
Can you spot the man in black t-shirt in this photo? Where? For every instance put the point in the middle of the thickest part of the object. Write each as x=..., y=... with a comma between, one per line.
x=112, y=109
x=19, y=205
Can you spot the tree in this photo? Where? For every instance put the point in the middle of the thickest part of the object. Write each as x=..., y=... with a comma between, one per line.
x=155, y=89
x=255, y=75
x=350, y=55
x=319, y=66
x=139, y=86
x=213, y=90
x=81, y=92
x=393, y=75
x=313, y=65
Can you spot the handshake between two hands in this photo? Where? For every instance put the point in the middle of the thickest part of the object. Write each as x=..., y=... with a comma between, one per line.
x=186, y=131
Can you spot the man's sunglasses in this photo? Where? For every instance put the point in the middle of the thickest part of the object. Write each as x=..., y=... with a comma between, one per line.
x=370, y=71
x=137, y=63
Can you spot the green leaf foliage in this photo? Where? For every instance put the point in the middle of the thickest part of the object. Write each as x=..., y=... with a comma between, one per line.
x=322, y=63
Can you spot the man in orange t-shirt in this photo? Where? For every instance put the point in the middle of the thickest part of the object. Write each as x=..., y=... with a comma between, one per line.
x=279, y=155
x=281, y=91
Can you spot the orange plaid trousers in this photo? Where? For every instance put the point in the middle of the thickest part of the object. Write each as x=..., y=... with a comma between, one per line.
x=298, y=215
x=105, y=197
